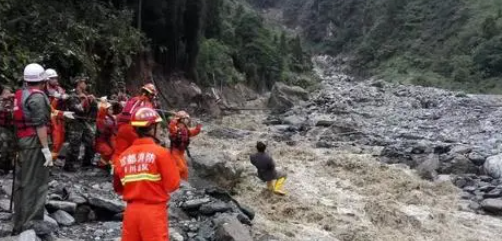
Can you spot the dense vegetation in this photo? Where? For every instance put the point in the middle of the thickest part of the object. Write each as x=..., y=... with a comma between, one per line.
x=448, y=43
x=211, y=42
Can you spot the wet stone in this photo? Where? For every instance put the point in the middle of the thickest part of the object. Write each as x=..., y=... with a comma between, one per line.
x=474, y=205
x=63, y=218
x=61, y=205
x=215, y=207
x=466, y=195
x=494, y=193
x=195, y=204
x=486, y=188
x=470, y=189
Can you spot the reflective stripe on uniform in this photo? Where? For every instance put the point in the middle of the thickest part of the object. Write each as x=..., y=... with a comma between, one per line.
x=141, y=177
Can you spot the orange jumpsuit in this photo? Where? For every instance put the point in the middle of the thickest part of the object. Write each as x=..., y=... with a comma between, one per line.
x=126, y=134
x=144, y=176
x=105, y=139
x=57, y=120
x=180, y=138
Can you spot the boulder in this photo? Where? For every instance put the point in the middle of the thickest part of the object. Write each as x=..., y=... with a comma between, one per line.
x=63, y=218
x=174, y=235
x=206, y=231
x=293, y=120
x=214, y=207
x=5, y=216
x=228, y=228
x=443, y=178
x=460, y=149
x=218, y=169
x=492, y=205
x=324, y=123
x=494, y=193
x=177, y=214
x=283, y=97
x=458, y=165
x=84, y=213
x=5, y=204
x=195, y=203
x=428, y=168
x=476, y=158
x=224, y=196
x=5, y=228
x=28, y=235
x=493, y=166
x=76, y=198
x=7, y=187
x=114, y=206
x=61, y=205
x=463, y=182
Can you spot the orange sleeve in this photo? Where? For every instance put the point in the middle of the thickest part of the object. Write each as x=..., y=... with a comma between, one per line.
x=58, y=114
x=181, y=163
x=196, y=130
x=100, y=119
x=172, y=126
x=169, y=171
x=54, y=103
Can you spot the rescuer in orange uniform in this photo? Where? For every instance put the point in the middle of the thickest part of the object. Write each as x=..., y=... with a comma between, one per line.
x=179, y=134
x=57, y=96
x=105, y=134
x=145, y=175
x=126, y=134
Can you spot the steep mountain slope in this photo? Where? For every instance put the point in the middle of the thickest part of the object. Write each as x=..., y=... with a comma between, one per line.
x=121, y=44
x=455, y=44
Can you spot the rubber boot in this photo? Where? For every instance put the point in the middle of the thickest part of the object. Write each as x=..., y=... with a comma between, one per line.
x=278, y=186
x=270, y=185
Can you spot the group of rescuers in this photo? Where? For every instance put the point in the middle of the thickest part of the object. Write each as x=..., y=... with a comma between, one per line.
x=40, y=115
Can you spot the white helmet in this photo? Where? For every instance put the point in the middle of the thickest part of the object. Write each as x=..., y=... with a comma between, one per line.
x=51, y=73
x=34, y=73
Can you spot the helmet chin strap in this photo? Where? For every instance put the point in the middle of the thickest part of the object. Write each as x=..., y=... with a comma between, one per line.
x=154, y=137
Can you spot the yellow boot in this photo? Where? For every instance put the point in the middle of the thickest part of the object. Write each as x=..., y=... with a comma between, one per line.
x=270, y=185
x=278, y=186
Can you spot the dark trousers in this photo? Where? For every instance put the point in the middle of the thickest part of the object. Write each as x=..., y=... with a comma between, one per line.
x=30, y=190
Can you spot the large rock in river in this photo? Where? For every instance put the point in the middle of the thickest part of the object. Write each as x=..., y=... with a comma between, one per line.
x=493, y=166
x=217, y=168
x=283, y=97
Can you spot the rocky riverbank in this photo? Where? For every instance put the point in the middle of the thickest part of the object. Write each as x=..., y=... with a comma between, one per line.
x=83, y=206
x=434, y=131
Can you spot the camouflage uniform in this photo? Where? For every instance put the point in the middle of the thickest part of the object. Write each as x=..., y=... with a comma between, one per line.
x=82, y=130
x=7, y=143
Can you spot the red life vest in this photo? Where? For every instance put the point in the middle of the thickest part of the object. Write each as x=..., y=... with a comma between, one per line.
x=24, y=128
x=105, y=128
x=181, y=139
x=130, y=107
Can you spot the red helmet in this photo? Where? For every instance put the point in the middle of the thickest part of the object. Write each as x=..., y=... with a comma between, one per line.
x=150, y=88
x=144, y=117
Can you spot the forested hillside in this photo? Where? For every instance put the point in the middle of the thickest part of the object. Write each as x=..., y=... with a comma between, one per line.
x=210, y=42
x=448, y=43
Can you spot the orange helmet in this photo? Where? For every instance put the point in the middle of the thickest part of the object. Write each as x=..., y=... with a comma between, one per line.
x=144, y=117
x=182, y=114
x=150, y=88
